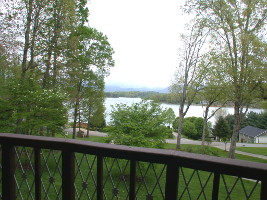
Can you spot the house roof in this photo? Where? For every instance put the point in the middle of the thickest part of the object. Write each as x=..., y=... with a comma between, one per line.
x=252, y=131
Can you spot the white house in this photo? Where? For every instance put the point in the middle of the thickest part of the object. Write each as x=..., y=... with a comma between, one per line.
x=253, y=135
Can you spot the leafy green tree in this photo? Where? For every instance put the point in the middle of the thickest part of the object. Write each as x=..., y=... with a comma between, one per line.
x=140, y=124
x=188, y=77
x=214, y=89
x=238, y=36
x=34, y=110
x=170, y=116
x=45, y=47
x=92, y=104
x=89, y=52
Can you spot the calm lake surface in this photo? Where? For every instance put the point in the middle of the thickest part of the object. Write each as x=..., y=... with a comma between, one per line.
x=196, y=111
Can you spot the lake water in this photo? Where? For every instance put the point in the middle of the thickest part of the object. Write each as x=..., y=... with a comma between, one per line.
x=196, y=111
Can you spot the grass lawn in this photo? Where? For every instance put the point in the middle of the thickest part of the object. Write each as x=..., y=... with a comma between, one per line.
x=213, y=151
x=255, y=150
x=207, y=150
x=90, y=138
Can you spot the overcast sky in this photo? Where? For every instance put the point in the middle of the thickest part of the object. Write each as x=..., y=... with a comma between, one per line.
x=145, y=38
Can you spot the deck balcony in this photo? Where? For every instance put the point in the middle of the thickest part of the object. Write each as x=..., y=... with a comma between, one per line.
x=34, y=167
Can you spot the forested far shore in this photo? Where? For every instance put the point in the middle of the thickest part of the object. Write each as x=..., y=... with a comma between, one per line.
x=169, y=98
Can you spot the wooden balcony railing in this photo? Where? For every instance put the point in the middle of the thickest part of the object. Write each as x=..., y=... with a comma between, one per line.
x=176, y=184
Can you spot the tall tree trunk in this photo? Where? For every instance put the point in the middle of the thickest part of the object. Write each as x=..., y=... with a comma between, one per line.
x=55, y=69
x=18, y=122
x=235, y=130
x=53, y=49
x=79, y=120
x=57, y=29
x=205, y=126
x=181, y=119
x=48, y=67
x=27, y=39
x=75, y=114
x=76, y=108
x=88, y=126
x=34, y=34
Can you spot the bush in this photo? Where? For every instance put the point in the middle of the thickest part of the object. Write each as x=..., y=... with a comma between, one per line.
x=189, y=129
x=195, y=129
x=141, y=124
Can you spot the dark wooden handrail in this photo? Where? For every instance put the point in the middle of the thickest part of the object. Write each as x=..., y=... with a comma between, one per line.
x=173, y=160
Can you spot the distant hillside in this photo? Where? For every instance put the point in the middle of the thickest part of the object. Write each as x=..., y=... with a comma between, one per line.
x=110, y=88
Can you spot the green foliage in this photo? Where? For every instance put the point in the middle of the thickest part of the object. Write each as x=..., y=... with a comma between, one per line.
x=199, y=149
x=175, y=123
x=258, y=120
x=230, y=120
x=192, y=127
x=170, y=116
x=189, y=129
x=87, y=46
x=59, y=56
x=198, y=122
x=222, y=129
x=35, y=110
x=263, y=105
x=6, y=120
x=92, y=104
x=238, y=37
x=89, y=56
x=141, y=124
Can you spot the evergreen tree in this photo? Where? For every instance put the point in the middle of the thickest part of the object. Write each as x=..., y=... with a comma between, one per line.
x=222, y=129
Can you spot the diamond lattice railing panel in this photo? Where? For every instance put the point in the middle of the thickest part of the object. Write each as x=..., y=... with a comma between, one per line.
x=194, y=184
x=236, y=188
x=85, y=176
x=151, y=180
x=24, y=173
x=116, y=175
x=51, y=174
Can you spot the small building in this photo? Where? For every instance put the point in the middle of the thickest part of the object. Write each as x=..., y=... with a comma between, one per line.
x=253, y=135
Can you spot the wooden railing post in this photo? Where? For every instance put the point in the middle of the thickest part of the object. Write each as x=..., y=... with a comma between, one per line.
x=263, y=189
x=8, y=172
x=68, y=175
x=99, y=186
x=216, y=185
x=37, y=173
x=132, y=180
x=172, y=179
